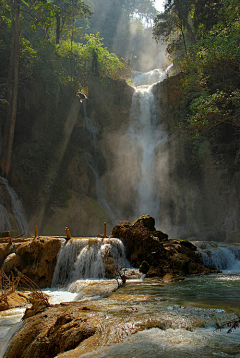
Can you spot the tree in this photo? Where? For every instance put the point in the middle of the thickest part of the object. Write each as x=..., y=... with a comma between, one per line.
x=19, y=12
x=216, y=98
x=183, y=21
x=16, y=8
x=112, y=19
x=66, y=14
x=168, y=27
x=206, y=15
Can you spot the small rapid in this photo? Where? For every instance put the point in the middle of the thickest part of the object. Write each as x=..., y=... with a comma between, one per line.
x=220, y=255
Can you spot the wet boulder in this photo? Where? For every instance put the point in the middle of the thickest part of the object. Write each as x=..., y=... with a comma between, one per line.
x=55, y=330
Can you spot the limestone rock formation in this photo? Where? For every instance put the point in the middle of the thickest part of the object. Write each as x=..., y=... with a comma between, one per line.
x=15, y=299
x=148, y=248
x=35, y=258
x=57, y=329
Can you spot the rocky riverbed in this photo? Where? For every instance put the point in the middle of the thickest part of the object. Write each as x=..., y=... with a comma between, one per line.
x=69, y=329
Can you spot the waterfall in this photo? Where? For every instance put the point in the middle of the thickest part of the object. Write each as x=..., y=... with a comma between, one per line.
x=16, y=208
x=147, y=132
x=90, y=127
x=5, y=224
x=148, y=78
x=220, y=255
x=86, y=258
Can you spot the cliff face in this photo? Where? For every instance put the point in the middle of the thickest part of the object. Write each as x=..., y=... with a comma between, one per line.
x=68, y=169
x=201, y=196
x=62, y=150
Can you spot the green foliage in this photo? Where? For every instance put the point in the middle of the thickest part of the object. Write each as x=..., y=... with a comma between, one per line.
x=213, y=65
x=210, y=108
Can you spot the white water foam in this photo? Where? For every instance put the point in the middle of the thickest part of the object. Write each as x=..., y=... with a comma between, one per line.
x=151, y=140
x=220, y=255
x=17, y=209
x=84, y=259
x=148, y=78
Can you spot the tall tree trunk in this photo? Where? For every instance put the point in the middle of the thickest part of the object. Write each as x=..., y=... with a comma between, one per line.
x=190, y=33
x=6, y=155
x=58, y=30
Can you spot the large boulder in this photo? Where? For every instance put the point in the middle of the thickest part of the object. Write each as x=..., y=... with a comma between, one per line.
x=5, y=250
x=140, y=238
x=155, y=254
x=147, y=221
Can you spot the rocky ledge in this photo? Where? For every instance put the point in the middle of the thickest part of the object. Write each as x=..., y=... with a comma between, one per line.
x=53, y=330
x=35, y=258
x=146, y=248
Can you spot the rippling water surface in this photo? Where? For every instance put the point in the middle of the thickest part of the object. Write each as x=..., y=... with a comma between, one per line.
x=147, y=318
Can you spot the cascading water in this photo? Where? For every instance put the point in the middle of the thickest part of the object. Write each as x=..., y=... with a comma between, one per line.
x=222, y=256
x=147, y=132
x=148, y=78
x=86, y=259
x=16, y=209
x=91, y=128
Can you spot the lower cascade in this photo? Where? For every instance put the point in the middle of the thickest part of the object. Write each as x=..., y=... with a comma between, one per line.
x=88, y=258
x=221, y=255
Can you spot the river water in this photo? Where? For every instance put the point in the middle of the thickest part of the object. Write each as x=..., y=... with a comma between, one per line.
x=149, y=318
x=175, y=319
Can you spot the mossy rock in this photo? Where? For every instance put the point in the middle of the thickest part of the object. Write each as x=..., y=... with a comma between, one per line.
x=147, y=221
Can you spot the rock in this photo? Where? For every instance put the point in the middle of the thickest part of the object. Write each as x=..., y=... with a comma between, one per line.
x=38, y=259
x=57, y=329
x=153, y=248
x=35, y=258
x=15, y=299
x=5, y=250
x=144, y=267
x=141, y=242
x=147, y=221
x=13, y=260
x=159, y=234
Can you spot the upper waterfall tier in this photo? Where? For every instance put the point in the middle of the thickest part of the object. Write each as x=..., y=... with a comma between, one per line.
x=147, y=141
x=150, y=77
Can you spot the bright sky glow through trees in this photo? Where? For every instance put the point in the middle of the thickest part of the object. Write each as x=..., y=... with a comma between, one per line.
x=159, y=5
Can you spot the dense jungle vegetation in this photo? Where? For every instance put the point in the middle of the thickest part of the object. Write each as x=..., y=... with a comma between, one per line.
x=60, y=45
x=47, y=44
x=203, y=38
